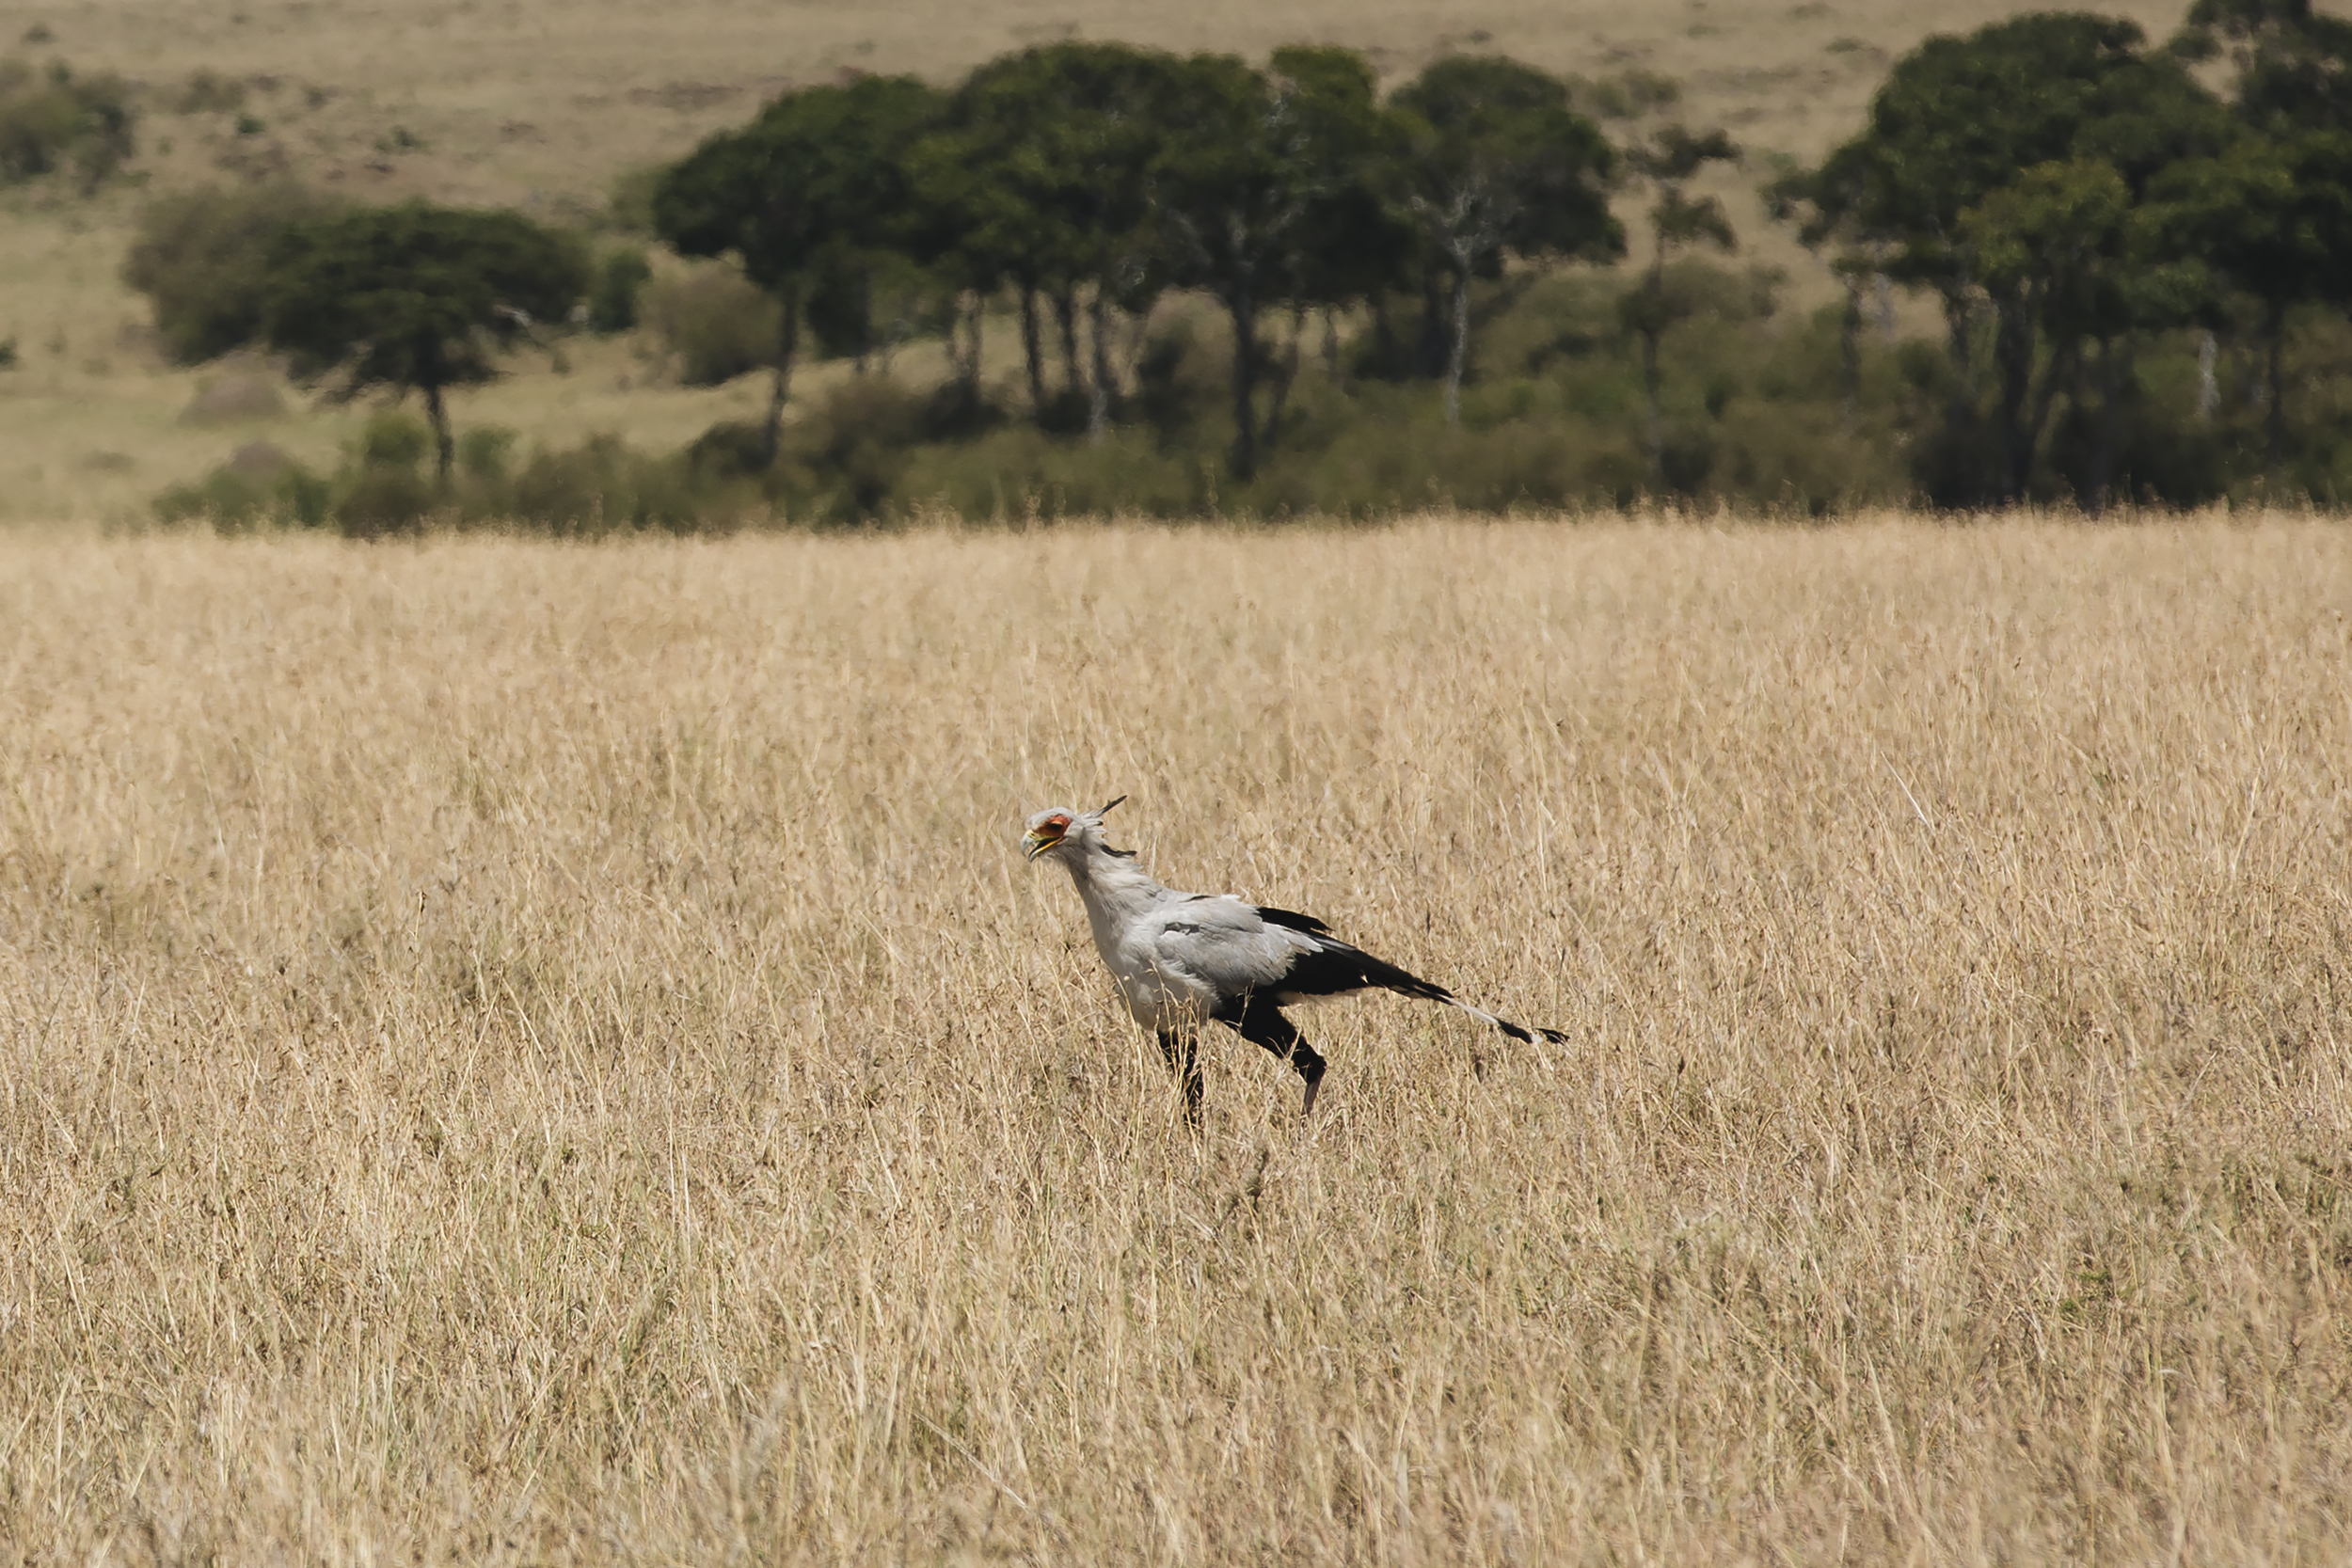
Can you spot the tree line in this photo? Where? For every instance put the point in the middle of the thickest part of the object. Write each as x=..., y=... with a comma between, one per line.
x=2069, y=196
x=1088, y=180
x=2086, y=207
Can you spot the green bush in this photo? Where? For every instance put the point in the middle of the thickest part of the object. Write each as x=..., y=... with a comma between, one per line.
x=716, y=323
x=612, y=297
x=52, y=120
x=394, y=438
x=483, y=453
x=258, y=485
x=602, y=486
x=381, y=500
x=384, y=487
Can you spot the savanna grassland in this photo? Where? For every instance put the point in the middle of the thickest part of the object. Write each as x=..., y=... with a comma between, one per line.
x=545, y=105
x=518, y=1053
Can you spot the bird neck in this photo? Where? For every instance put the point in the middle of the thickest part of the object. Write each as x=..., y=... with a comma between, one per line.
x=1114, y=888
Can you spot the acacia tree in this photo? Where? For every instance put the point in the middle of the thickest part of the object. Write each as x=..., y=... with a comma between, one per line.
x=2096, y=268
x=2272, y=215
x=1495, y=163
x=1959, y=119
x=416, y=298
x=1250, y=160
x=2272, y=211
x=2293, y=64
x=818, y=187
x=985, y=225
x=1045, y=166
x=1677, y=221
x=201, y=256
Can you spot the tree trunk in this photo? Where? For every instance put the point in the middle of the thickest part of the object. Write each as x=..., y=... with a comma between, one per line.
x=1960, y=415
x=1289, y=376
x=975, y=307
x=1103, y=388
x=1332, y=369
x=2275, y=424
x=2014, y=348
x=2208, y=385
x=2066, y=370
x=1244, y=309
x=1431, y=353
x=1656, y=431
x=1457, y=355
x=444, y=444
x=1066, y=318
x=2115, y=364
x=780, y=385
x=1850, y=354
x=1033, y=350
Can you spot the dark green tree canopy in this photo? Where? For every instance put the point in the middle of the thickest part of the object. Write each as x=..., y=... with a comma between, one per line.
x=2069, y=240
x=821, y=167
x=1353, y=237
x=1495, y=160
x=1251, y=162
x=2273, y=215
x=813, y=197
x=416, y=297
x=201, y=256
x=1491, y=161
x=1044, y=164
x=2293, y=64
x=1959, y=118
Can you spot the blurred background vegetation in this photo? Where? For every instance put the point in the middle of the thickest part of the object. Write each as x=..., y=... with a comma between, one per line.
x=2059, y=262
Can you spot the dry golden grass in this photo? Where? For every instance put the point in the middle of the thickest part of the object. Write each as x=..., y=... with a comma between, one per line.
x=517, y=1052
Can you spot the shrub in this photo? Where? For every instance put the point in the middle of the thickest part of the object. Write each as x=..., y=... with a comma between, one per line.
x=382, y=487
x=1628, y=95
x=628, y=202
x=600, y=487
x=394, y=438
x=715, y=322
x=200, y=257
x=482, y=452
x=379, y=500
x=52, y=120
x=612, y=297
x=259, y=483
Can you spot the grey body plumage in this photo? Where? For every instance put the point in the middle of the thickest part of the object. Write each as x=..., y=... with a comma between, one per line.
x=1181, y=960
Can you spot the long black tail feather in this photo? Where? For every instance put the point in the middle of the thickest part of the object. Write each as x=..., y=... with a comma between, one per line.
x=1335, y=969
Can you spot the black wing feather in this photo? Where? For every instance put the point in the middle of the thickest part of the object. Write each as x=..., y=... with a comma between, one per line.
x=1334, y=968
x=1293, y=919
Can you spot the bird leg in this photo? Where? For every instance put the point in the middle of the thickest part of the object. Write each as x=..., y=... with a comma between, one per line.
x=1182, y=1046
x=1311, y=1071
x=1261, y=1023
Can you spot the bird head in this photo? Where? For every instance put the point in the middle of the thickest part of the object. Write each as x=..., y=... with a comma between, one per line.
x=1059, y=825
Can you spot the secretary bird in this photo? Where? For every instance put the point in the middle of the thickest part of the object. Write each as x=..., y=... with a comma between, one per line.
x=1179, y=958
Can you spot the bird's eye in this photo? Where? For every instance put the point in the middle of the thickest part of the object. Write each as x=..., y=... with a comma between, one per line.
x=1060, y=824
